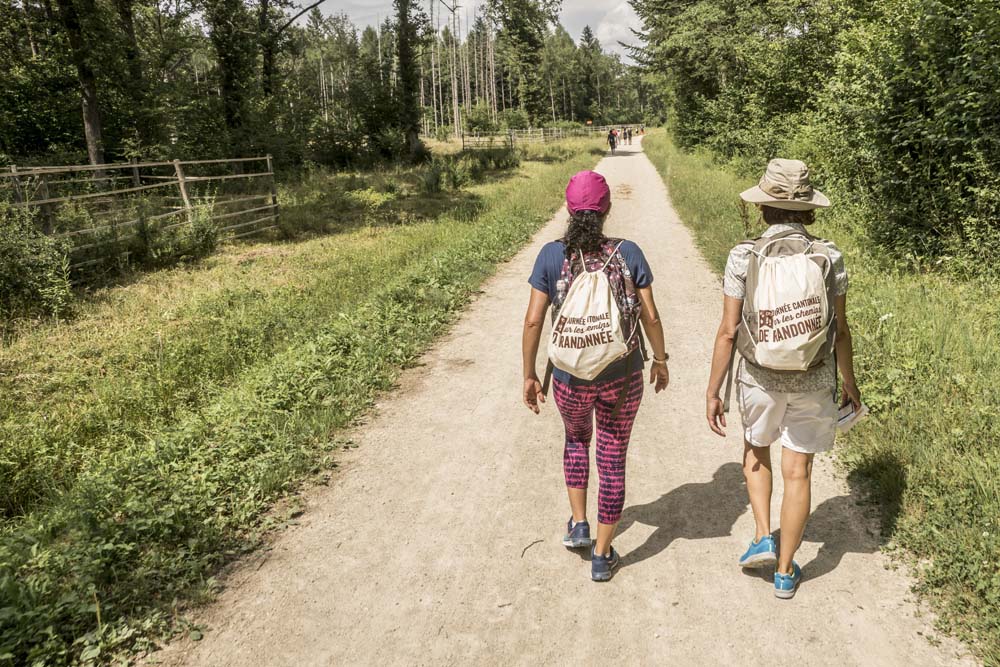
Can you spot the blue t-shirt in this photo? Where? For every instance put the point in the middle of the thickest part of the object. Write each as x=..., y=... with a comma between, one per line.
x=545, y=275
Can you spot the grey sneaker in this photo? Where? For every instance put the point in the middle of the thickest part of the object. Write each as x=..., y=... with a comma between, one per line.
x=601, y=566
x=577, y=536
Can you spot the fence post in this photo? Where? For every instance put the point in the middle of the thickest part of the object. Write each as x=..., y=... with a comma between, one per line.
x=274, y=188
x=46, y=208
x=182, y=185
x=17, y=184
x=135, y=172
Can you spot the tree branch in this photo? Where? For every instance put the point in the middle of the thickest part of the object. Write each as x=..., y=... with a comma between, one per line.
x=294, y=18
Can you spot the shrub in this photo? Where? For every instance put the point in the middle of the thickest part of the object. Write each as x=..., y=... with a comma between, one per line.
x=34, y=270
x=514, y=119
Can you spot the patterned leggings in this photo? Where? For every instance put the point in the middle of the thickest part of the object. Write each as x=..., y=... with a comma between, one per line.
x=577, y=405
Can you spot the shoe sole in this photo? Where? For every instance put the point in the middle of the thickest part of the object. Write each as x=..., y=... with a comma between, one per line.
x=605, y=576
x=577, y=542
x=785, y=595
x=760, y=561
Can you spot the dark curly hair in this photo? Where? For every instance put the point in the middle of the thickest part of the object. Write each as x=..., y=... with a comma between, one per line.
x=584, y=232
x=780, y=216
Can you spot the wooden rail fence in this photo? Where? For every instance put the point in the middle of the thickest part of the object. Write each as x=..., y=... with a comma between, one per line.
x=119, y=201
x=540, y=135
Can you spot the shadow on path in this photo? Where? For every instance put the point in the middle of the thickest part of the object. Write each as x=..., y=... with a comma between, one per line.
x=691, y=511
x=837, y=525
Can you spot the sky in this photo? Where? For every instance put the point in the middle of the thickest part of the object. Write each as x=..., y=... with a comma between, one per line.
x=611, y=20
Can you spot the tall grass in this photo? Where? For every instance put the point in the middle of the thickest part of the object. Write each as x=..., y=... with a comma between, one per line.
x=143, y=443
x=928, y=361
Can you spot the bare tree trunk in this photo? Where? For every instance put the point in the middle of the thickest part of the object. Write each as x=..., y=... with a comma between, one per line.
x=455, y=113
x=27, y=26
x=80, y=52
x=552, y=99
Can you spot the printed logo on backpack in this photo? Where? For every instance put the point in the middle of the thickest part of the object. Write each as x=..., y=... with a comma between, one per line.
x=787, y=320
x=595, y=314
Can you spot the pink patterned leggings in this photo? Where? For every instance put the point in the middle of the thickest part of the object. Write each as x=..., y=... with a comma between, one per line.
x=577, y=404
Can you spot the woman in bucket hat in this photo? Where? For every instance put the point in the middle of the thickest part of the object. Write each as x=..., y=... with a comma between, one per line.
x=792, y=405
x=615, y=393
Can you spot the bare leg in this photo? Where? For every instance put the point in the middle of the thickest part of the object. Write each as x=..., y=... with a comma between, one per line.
x=605, y=533
x=796, y=470
x=578, y=503
x=757, y=470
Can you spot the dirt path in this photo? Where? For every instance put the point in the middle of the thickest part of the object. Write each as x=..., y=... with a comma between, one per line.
x=438, y=542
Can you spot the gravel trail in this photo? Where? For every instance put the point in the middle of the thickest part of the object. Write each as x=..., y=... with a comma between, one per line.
x=437, y=541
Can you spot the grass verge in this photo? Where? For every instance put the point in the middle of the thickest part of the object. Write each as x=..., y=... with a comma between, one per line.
x=928, y=362
x=186, y=403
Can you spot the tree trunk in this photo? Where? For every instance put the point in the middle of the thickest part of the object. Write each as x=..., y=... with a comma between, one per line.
x=409, y=113
x=266, y=37
x=80, y=53
x=27, y=27
x=137, y=82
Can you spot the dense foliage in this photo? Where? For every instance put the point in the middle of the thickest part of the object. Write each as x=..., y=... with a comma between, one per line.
x=142, y=445
x=894, y=103
x=110, y=79
x=930, y=371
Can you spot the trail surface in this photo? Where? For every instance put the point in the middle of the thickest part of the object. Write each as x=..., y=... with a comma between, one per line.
x=438, y=542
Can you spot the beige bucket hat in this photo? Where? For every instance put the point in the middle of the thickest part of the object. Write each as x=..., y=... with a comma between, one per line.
x=785, y=184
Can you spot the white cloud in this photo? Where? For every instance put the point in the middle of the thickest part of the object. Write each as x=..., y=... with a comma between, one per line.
x=611, y=20
x=616, y=26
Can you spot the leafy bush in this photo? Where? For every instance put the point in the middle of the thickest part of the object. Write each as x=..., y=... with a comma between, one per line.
x=161, y=470
x=928, y=362
x=514, y=119
x=34, y=271
x=480, y=119
x=892, y=102
x=432, y=177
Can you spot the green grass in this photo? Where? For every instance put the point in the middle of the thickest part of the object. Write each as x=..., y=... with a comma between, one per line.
x=144, y=441
x=928, y=361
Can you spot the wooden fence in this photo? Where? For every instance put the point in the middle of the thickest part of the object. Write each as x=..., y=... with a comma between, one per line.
x=108, y=207
x=540, y=135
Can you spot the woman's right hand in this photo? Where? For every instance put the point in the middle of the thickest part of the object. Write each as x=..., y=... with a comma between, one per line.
x=716, y=415
x=850, y=392
x=533, y=393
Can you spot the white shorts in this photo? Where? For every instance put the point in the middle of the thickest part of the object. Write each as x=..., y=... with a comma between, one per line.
x=805, y=423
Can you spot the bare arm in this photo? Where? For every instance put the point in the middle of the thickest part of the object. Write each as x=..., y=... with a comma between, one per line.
x=725, y=338
x=659, y=375
x=845, y=353
x=534, y=320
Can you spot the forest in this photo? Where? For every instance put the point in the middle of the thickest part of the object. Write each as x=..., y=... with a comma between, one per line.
x=894, y=105
x=107, y=80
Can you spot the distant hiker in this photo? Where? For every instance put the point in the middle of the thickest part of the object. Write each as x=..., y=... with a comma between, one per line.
x=599, y=288
x=612, y=140
x=785, y=310
x=628, y=133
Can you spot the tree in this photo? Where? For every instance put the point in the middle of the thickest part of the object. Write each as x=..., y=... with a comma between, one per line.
x=524, y=24
x=81, y=52
x=229, y=24
x=409, y=20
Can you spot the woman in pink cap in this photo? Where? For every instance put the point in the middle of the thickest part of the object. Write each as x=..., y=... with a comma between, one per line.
x=615, y=392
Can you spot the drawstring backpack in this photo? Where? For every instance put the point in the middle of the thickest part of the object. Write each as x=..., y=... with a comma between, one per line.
x=595, y=321
x=787, y=323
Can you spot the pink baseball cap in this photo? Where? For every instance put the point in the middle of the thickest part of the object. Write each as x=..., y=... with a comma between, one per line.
x=588, y=191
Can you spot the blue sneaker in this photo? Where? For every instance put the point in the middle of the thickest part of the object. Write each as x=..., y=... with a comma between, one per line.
x=785, y=584
x=601, y=566
x=577, y=536
x=762, y=553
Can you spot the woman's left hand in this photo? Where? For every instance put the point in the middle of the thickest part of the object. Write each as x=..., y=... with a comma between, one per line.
x=533, y=395
x=659, y=375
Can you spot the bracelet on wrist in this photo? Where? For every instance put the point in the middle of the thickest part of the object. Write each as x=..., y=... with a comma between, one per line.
x=665, y=359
